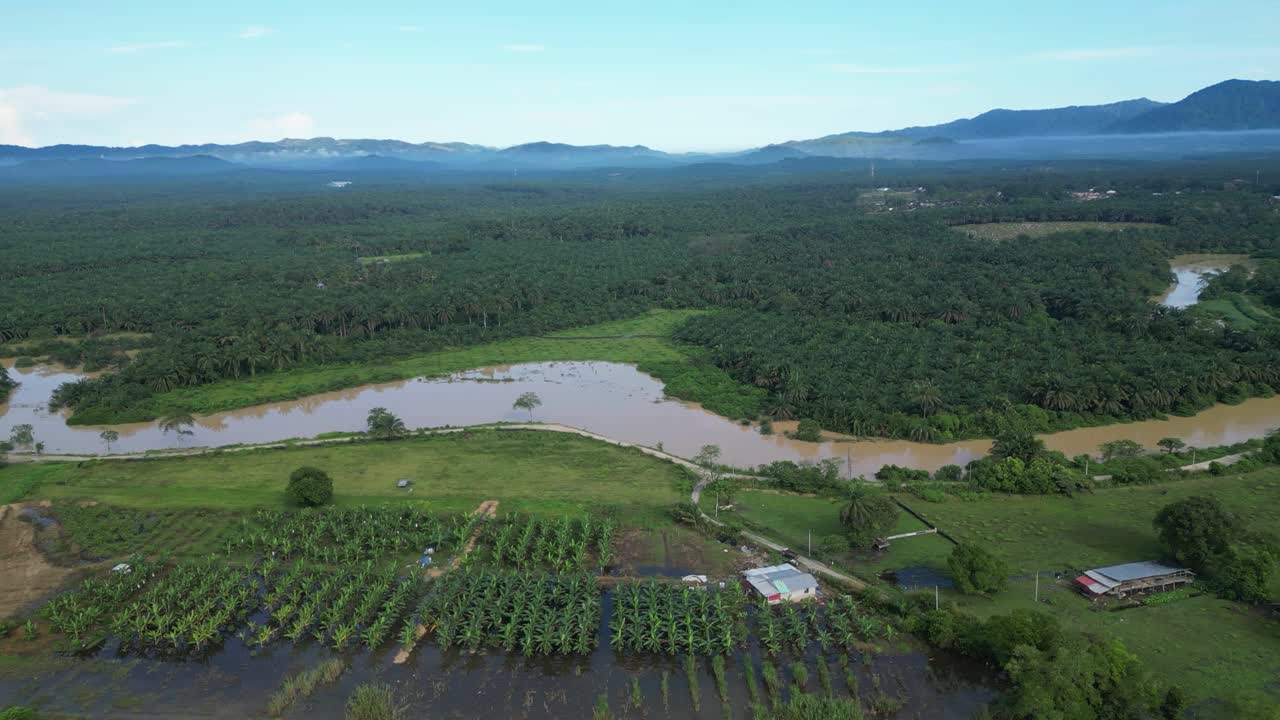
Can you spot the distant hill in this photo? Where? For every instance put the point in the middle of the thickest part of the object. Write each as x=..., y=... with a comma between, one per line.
x=1229, y=105
x=1078, y=130
x=1073, y=120
x=59, y=168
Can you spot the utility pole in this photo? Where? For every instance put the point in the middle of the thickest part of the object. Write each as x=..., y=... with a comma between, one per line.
x=810, y=542
x=1037, y=586
x=935, y=597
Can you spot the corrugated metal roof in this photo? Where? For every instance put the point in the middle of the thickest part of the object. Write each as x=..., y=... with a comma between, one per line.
x=783, y=578
x=1132, y=571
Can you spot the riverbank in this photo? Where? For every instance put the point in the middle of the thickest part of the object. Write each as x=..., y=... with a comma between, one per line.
x=643, y=341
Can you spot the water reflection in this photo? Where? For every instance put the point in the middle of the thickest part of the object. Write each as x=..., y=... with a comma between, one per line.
x=1192, y=272
x=611, y=399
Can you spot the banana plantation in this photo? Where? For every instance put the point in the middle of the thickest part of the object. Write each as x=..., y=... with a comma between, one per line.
x=332, y=584
x=562, y=544
x=528, y=612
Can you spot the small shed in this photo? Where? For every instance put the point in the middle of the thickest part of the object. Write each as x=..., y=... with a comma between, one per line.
x=780, y=583
x=1136, y=577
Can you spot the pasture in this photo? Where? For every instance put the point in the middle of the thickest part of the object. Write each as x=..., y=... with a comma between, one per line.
x=1010, y=230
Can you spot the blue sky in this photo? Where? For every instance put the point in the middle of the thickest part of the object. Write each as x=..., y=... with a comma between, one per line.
x=692, y=75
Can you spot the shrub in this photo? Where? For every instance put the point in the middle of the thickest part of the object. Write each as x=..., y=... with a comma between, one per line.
x=18, y=712
x=808, y=430
x=949, y=473
x=372, y=701
x=309, y=487
x=977, y=571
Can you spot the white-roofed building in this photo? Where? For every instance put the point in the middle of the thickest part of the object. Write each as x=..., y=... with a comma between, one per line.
x=1122, y=580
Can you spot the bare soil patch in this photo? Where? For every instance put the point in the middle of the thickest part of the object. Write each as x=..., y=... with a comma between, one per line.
x=27, y=574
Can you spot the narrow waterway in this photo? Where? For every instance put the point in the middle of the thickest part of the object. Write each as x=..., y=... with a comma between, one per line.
x=610, y=399
x=1192, y=272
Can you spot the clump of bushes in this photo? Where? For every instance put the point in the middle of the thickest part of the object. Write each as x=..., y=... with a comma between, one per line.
x=309, y=487
x=372, y=701
x=977, y=571
x=808, y=430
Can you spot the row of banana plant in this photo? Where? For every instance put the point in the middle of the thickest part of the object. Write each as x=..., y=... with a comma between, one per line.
x=340, y=536
x=83, y=614
x=563, y=544
x=189, y=609
x=657, y=617
x=356, y=604
x=840, y=623
x=533, y=613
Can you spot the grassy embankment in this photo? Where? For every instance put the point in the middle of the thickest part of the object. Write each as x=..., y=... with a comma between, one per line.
x=1214, y=648
x=1238, y=310
x=642, y=340
x=1010, y=230
x=532, y=472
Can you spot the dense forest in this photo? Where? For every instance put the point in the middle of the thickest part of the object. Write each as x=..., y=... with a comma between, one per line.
x=867, y=320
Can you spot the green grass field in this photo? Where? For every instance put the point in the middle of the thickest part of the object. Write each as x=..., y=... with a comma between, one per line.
x=371, y=259
x=532, y=472
x=1011, y=230
x=641, y=340
x=1237, y=310
x=790, y=518
x=1212, y=647
x=1102, y=528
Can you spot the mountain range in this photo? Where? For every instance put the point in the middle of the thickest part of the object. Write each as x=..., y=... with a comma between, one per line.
x=1208, y=120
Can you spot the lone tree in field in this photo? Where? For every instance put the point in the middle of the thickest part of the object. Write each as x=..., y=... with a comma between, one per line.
x=1171, y=444
x=178, y=425
x=1196, y=530
x=384, y=424
x=527, y=401
x=977, y=571
x=867, y=515
x=108, y=437
x=22, y=435
x=309, y=487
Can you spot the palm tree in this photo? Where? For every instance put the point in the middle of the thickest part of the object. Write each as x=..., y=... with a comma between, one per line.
x=108, y=437
x=382, y=422
x=527, y=401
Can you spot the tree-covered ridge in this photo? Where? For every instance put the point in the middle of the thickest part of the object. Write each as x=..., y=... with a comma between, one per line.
x=890, y=324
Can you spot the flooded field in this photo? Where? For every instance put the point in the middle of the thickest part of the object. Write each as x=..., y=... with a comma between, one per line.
x=1192, y=271
x=236, y=682
x=611, y=399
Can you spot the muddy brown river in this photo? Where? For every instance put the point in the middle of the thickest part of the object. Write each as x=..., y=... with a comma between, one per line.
x=611, y=399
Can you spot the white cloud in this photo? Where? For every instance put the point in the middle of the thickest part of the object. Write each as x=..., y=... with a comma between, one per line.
x=19, y=106
x=253, y=32
x=524, y=48
x=129, y=48
x=893, y=69
x=409, y=28
x=294, y=124
x=1087, y=54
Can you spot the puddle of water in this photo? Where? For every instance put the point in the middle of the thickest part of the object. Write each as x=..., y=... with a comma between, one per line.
x=611, y=399
x=1192, y=272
